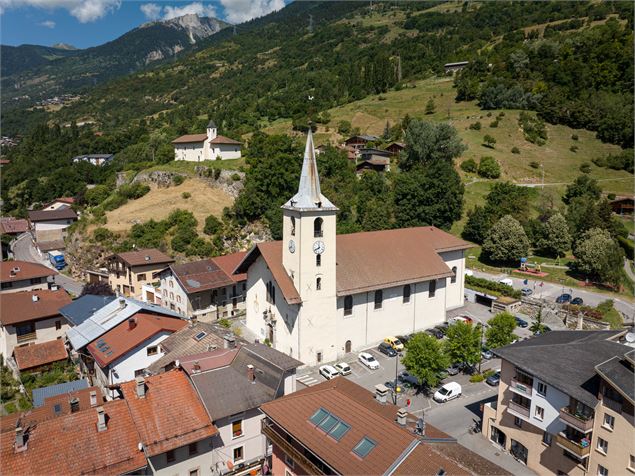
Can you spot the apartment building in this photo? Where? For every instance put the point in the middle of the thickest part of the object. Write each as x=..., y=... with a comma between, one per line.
x=565, y=403
x=129, y=271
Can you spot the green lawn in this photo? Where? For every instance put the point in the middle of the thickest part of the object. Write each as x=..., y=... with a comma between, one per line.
x=186, y=167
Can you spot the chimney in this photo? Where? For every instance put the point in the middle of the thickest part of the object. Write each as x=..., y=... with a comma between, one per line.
x=35, y=298
x=381, y=392
x=101, y=419
x=229, y=341
x=74, y=402
x=122, y=303
x=20, y=440
x=132, y=323
x=196, y=367
x=93, y=398
x=251, y=375
x=401, y=416
x=141, y=386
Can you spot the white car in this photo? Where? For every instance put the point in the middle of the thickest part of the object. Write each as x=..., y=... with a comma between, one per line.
x=506, y=281
x=328, y=372
x=447, y=392
x=368, y=360
x=343, y=368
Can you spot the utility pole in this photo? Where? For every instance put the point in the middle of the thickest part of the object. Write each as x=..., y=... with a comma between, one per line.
x=310, y=23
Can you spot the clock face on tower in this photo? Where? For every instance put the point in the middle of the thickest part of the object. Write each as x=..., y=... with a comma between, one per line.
x=318, y=247
x=292, y=246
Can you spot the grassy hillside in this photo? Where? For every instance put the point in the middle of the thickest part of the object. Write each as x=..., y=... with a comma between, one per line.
x=560, y=163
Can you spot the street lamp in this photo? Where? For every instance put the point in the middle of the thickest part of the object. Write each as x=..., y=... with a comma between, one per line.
x=394, y=389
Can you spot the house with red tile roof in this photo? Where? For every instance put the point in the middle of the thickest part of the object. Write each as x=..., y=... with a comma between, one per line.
x=122, y=353
x=207, y=146
x=130, y=270
x=31, y=317
x=19, y=275
x=38, y=356
x=338, y=427
x=51, y=225
x=13, y=226
x=318, y=295
x=207, y=289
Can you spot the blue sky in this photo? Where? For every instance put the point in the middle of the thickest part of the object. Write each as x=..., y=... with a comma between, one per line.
x=85, y=23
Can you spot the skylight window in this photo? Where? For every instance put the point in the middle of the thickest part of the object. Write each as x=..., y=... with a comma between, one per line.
x=339, y=430
x=364, y=447
x=328, y=423
x=318, y=416
x=199, y=336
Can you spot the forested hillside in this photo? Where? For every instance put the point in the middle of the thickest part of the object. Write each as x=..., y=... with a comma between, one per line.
x=570, y=61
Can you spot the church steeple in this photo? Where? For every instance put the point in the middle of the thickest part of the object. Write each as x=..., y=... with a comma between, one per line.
x=309, y=196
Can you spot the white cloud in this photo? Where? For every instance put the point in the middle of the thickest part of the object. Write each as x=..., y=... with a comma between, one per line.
x=48, y=24
x=152, y=11
x=84, y=10
x=196, y=8
x=238, y=11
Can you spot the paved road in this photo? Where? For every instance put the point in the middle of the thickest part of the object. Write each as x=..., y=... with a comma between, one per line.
x=24, y=249
x=550, y=291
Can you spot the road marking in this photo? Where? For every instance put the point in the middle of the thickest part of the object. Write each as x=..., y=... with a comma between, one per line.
x=307, y=380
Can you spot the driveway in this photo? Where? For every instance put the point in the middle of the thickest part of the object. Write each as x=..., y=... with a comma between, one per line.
x=24, y=250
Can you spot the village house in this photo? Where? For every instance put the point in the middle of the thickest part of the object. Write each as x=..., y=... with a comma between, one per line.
x=453, y=68
x=338, y=428
x=51, y=225
x=129, y=271
x=565, y=403
x=31, y=317
x=24, y=276
x=95, y=159
x=317, y=295
x=373, y=159
x=205, y=289
x=208, y=146
x=59, y=203
x=13, y=226
x=232, y=384
x=39, y=357
x=395, y=148
x=84, y=307
x=359, y=142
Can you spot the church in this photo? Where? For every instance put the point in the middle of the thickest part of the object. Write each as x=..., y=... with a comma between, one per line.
x=317, y=295
x=207, y=146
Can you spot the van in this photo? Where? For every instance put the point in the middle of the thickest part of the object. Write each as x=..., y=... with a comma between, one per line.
x=447, y=392
x=506, y=281
x=394, y=343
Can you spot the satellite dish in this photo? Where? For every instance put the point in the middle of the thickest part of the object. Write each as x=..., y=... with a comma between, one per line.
x=630, y=337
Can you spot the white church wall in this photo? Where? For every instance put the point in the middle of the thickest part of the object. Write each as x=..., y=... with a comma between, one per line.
x=192, y=152
x=455, y=290
x=226, y=151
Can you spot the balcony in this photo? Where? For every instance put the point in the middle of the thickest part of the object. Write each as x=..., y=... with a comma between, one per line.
x=517, y=410
x=26, y=337
x=278, y=438
x=573, y=447
x=520, y=388
x=581, y=423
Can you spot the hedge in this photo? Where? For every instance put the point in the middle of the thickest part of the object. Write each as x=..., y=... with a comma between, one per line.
x=485, y=285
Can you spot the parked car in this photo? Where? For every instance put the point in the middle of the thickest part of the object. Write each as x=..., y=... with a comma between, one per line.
x=393, y=342
x=405, y=338
x=328, y=372
x=407, y=379
x=390, y=384
x=486, y=353
x=464, y=319
x=386, y=349
x=563, y=298
x=526, y=292
x=577, y=301
x=443, y=328
x=493, y=379
x=343, y=368
x=453, y=369
x=506, y=281
x=521, y=322
x=434, y=332
x=467, y=369
x=447, y=392
x=368, y=360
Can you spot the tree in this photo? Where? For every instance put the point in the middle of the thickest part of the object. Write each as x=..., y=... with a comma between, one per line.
x=429, y=196
x=212, y=225
x=97, y=194
x=501, y=330
x=344, y=127
x=555, y=240
x=463, y=344
x=488, y=167
x=506, y=242
x=537, y=326
x=155, y=141
x=428, y=142
x=489, y=141
x=97, y=289
x=430, y=106
x=469, y=165
x=598, y=256
x=425, y=359
x=582, y=186
x=479, y=222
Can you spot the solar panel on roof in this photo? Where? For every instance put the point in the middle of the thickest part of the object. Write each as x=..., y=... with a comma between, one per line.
x=339, y=430
x=328, y=423
x=318, y=416
x=364, y=447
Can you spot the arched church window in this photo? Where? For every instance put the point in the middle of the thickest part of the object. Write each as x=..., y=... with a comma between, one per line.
x=318, y=260
x=406, y=293
x=379, y=299
x=317, y=228
x=348, y=305
x=318, y=284
x=292, y=226
x=453, y=278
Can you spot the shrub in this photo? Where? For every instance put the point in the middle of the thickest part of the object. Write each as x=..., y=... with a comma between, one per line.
x=489, y=168
x=212, y=225
x=489, y=114
x=611, y=196
x=217, y=173
x=469, y=165
x=533, y=127
x=477, y=378
x=186, y=195
x=492, y=287
x=97, y=194
x=114, y=202
x=515, y=150
x=102, y=234
x=235, y=177
x=475, y=126
x=489, y=141
x=501, y=114
x=133, y=191
x=574, y=136
x=494, y=124
x=178, y=180
x=224, y=323
x=585, y=168
x=534, y=165
x=627, y=246
x=573, y=148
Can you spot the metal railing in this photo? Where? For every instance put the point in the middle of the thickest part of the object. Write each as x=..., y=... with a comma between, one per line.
x=572, y=446
x=27, y=337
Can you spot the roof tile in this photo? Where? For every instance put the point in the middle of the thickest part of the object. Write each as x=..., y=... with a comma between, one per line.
x=35, y=355
x=20, y=307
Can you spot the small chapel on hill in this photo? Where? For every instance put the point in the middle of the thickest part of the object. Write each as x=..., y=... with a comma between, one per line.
x=317, y=295
x=207, y=146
